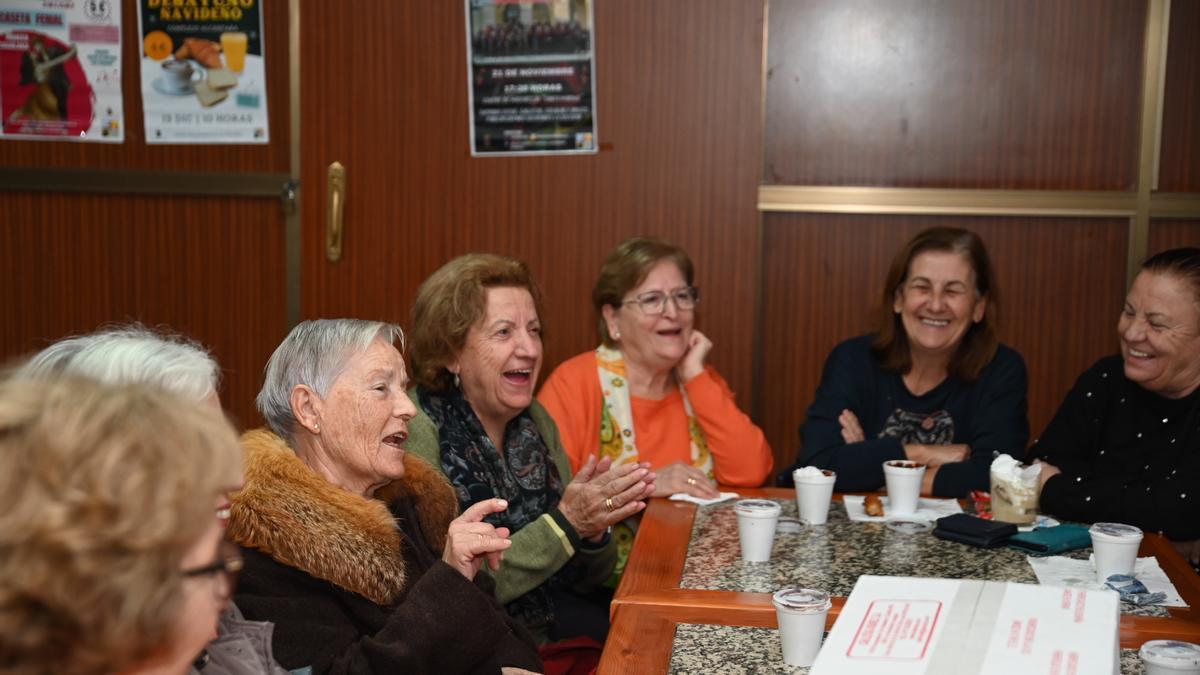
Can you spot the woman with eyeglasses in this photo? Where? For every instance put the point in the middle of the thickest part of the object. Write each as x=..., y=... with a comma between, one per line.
x=133, y=353
x=646, y=394
x=111, y=557
x=931, y=385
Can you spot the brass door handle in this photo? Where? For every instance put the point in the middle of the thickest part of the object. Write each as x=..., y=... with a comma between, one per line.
x=334, y=223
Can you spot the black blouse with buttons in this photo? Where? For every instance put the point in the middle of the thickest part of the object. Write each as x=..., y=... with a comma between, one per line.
x=1127, y=455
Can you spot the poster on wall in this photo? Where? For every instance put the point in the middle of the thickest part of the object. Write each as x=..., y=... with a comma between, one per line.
x=60, y=70
x=530, y=73
x=203, y=71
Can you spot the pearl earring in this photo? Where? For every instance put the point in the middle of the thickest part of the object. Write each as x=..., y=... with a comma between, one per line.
x=316, y=427
x=457, y=382
x=616, y=335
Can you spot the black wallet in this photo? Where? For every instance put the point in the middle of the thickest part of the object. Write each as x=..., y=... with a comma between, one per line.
x=968, y=529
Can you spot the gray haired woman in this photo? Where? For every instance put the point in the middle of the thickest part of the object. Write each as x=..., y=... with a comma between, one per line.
x=135, y=354
x=351, y=545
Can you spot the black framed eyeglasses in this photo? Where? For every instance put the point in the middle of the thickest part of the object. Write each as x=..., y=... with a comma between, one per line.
x=225, y=570
x=653, y=303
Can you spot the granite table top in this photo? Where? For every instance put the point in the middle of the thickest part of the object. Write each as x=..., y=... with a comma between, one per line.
x=832, y=557
x=741, y=650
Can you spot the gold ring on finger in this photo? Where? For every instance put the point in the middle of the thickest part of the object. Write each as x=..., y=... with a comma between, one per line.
x=608, y=503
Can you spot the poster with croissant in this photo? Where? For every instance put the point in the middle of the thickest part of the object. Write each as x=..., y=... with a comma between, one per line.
x=203, y=72
x=60, y=70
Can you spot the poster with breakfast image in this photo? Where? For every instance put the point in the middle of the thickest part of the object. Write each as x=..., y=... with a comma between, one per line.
x=203, y=71
x=60, y=70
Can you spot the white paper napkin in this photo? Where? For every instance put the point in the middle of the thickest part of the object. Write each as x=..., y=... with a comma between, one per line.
x=1062, y=571
x=927, y=509
x=685, y=497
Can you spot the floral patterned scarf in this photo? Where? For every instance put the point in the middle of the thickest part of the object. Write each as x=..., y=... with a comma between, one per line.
x=525, y=476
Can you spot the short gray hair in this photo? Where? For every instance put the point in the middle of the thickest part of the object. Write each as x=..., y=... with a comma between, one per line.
x=314, y=354
x=132, y=353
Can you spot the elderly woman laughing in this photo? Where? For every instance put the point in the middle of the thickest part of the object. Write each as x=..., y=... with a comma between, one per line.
x=477, y=353
x=345, y=536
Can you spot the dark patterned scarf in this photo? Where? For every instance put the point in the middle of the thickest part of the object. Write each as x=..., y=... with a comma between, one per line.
x=525, y=476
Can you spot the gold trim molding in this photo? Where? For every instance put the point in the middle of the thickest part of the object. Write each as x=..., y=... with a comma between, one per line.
x=946, y=201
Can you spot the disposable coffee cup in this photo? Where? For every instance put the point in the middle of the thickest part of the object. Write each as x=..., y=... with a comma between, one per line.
x=801, y=613
x=1114, y=548
x=1014, y=494
x=756, y=528
x=903, y=479
x=814, y=490
x=1170, y=657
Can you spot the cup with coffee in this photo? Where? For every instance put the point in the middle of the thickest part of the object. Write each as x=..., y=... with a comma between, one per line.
x=1170, y=657
x=814, y=490
x=801, y=614
x=1115, y=548
x=179, y=77
x=757, y=519
x=903, y=480
x=1014, y=494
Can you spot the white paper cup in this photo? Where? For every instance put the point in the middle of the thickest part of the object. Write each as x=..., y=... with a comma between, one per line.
x=756, y=528
x=801, y=614
x=813, y=494
x=1115, y=548
x=1170, y=657
x=903, y=479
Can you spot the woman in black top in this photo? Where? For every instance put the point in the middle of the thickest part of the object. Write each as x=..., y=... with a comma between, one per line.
x=1125, y=444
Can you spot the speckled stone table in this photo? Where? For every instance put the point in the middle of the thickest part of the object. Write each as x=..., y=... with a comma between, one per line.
x=831, y=557
x=738, y=650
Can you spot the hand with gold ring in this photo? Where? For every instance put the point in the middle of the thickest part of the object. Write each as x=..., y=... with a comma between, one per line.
x=683, y=477
x=602, y=495
x=470, y=540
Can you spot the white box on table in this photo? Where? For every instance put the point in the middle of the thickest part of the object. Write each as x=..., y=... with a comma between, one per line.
x=913, y=626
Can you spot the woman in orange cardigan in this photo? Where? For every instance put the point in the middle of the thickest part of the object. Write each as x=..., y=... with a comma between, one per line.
x=646, y=393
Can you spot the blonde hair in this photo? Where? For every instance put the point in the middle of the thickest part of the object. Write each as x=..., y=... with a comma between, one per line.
x=103, y=489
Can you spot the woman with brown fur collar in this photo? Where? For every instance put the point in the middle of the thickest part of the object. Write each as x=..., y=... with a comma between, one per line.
x=349, y=544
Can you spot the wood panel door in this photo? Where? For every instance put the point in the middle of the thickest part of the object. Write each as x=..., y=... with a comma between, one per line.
x=384, y=92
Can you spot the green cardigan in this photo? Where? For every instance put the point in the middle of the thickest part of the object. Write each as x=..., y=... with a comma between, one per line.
x=542, y=547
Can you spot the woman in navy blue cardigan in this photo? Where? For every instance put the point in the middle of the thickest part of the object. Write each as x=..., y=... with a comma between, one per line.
x=933, y=384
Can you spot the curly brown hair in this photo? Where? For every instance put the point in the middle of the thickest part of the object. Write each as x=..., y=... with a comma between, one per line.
x=103, y=489
x=450, y=302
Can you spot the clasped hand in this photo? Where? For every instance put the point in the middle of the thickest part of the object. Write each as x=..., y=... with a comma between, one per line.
x=602, y=495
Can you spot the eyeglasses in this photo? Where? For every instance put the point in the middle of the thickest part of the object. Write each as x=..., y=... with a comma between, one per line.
x=225, y=569
x=653, y=303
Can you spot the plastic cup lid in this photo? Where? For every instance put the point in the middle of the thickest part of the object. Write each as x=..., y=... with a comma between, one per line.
x=807, y=600
x=1171, y=653
x=1119, y=530
x=789, y=526
x=910, y=526
x=757, y=507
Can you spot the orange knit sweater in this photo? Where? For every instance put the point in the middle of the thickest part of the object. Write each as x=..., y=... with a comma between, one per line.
x=741, y=454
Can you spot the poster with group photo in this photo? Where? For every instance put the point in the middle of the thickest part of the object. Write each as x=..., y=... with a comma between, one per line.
x=203, y=72
x=60, y=70
x=530, y=68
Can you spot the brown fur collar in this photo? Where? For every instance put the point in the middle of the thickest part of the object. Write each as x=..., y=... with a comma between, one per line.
x=299, y=519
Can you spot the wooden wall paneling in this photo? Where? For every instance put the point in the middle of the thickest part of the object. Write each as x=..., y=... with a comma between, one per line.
x=209, y=268
x=1061, y=282
x=1179, y=165
x=679, y=113
x=938, y=93
x=1167, y=233
x=135, y=154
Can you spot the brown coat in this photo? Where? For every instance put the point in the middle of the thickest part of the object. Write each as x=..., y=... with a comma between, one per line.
x=355, y=584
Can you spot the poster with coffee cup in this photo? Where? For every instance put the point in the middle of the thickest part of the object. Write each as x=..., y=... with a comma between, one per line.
x=60, y=70
x=203, y=71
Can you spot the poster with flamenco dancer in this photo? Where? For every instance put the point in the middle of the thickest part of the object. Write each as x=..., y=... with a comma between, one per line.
x=60, y=70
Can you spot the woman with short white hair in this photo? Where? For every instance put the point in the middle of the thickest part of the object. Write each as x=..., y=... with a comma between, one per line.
x=351, y=544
